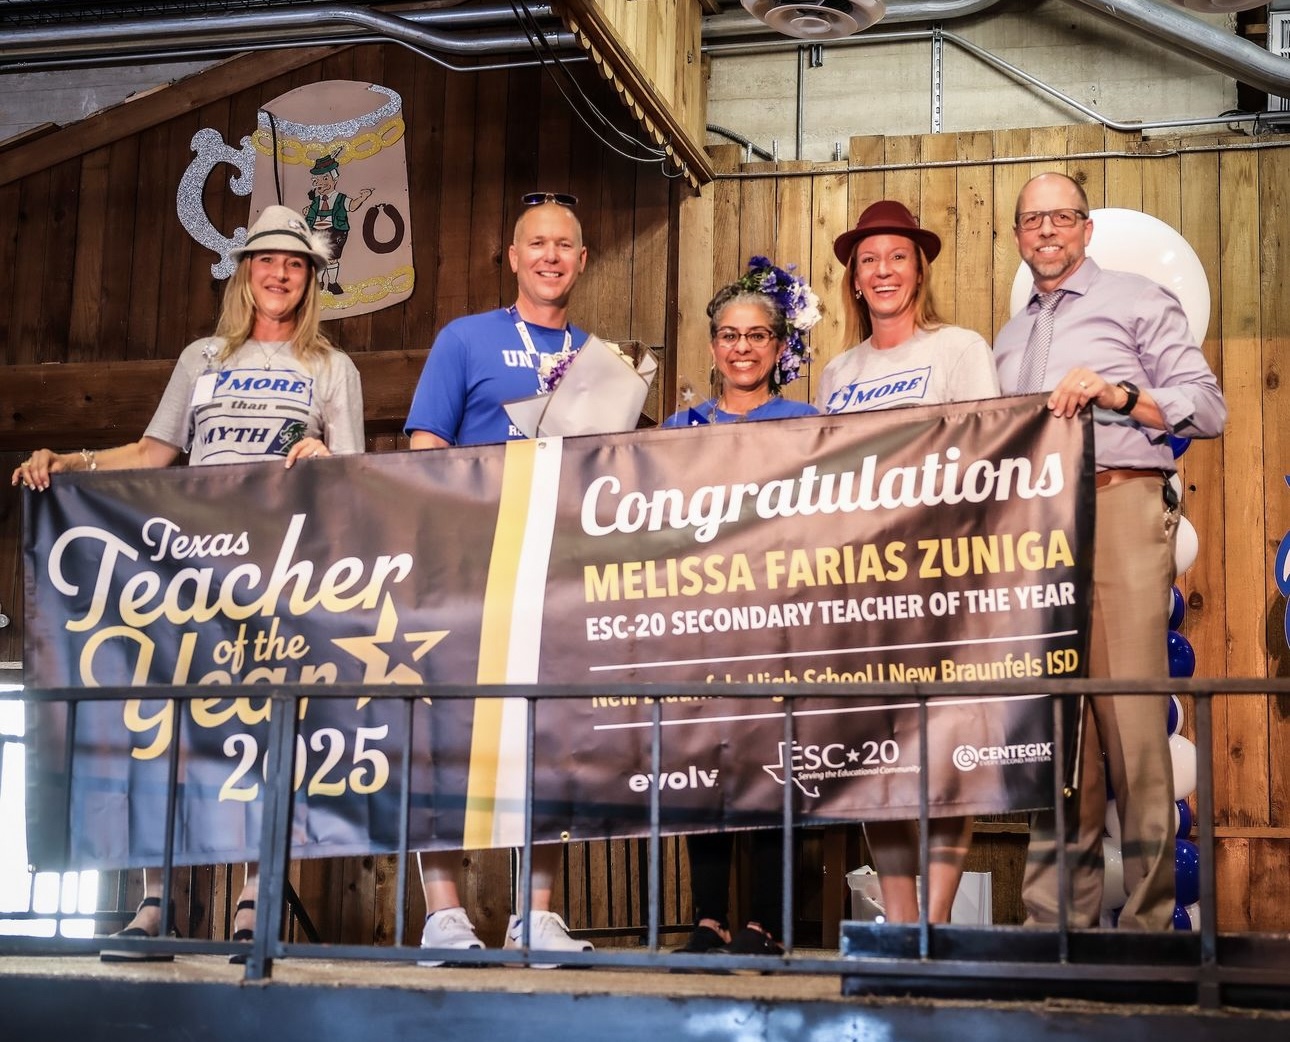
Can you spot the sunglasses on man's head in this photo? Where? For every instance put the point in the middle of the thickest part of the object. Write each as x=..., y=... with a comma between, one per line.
x=538, y=198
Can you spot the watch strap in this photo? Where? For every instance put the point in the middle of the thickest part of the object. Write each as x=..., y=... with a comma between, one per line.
x=1132, y=391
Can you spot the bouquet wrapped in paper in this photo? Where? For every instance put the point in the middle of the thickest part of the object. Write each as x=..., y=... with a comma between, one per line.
x=598, y=389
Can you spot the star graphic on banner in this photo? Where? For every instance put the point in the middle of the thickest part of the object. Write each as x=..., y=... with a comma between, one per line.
x=387, y=657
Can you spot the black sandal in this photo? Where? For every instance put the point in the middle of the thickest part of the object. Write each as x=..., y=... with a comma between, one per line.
x=133, y=932
x=245, y=936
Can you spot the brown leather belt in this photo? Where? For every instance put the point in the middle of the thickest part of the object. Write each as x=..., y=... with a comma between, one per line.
x=1105, y=478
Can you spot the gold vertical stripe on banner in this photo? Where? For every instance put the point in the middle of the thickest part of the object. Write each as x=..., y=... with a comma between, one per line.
x=495, y=639
x=524, y=653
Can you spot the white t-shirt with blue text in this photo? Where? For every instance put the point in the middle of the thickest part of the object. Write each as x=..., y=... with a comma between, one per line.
x=934, y=366
x=257, y=403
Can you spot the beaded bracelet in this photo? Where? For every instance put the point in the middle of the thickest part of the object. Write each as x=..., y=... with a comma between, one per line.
x=90, y=462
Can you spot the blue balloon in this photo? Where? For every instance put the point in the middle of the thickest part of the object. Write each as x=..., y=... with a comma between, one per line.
x=1176, y=609
x=1179, y=445
x=1182, y=920
x=1186, y=872
x=1184, y=819
x=1182, y=660
x=1282, y=570
x=1173, y=718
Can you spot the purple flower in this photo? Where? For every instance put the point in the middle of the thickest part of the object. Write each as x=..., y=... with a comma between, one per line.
x=800, y=305
x=550, y=375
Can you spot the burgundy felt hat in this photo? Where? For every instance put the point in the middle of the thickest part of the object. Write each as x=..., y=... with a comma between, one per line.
x=886, y=217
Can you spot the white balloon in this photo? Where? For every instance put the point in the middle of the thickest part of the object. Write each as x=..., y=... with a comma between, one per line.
x=1129, y=240
x=1113, y=894
x=1193, y=913
x=1113, y=821
x=1182, y=751
x=1175, y=483
x=1186, y=547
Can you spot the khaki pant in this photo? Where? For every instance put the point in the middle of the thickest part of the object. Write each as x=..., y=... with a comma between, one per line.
x=1126, y=736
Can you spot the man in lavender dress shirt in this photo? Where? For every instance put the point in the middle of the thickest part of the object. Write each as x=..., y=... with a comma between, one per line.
x=1120, y=343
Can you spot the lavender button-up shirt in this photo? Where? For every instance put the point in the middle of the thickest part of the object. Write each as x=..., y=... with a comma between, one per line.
x=1124, y=327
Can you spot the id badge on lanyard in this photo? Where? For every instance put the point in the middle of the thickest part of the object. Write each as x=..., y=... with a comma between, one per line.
x=535, y=356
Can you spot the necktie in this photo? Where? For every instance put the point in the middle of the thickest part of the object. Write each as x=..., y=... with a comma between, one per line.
x=1034, y=362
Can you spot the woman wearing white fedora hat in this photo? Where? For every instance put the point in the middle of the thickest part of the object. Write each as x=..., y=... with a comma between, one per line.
x=904, y=355
x=267, y=386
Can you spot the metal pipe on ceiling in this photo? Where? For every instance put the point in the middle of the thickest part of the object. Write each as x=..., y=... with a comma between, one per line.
x=1168, y=25
x=293, y=26
x=995, y=62
x=104, y=13
x=1185, y=33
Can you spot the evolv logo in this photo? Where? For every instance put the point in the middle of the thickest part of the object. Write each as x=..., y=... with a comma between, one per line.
x=694, y=778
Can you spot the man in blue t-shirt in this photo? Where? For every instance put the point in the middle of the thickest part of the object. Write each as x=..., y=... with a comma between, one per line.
x=480, y=362
x=477, y=364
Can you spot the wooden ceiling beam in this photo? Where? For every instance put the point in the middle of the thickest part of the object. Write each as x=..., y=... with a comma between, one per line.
x=141, y=113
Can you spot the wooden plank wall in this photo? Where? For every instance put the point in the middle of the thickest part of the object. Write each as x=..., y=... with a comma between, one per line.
x=96, y=268
x=95, y=228
x=1230, y=198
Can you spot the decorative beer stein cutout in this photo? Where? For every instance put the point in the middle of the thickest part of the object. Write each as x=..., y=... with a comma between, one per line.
x=335, y=152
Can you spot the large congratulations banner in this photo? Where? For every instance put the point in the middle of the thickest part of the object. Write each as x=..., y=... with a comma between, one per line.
x=920, y=545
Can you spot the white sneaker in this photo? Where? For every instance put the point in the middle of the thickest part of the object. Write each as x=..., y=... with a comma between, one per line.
x=448, y=928
x=547, y=933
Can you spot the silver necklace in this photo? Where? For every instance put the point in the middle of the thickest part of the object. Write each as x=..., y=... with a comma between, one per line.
x=268, y=358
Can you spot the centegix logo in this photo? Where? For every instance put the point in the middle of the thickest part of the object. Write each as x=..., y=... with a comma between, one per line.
x=970, y=757
x=691, y=778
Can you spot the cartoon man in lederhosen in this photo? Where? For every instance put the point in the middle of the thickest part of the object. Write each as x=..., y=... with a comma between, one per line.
x=328, y=212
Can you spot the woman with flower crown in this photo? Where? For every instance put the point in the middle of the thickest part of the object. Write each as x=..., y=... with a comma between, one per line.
x=756, y=329
x=905, y=356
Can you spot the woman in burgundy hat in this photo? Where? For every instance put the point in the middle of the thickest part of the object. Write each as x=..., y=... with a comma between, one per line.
x=904, y=355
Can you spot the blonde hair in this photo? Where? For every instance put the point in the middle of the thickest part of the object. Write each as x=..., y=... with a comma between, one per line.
x=859, y=322
x=237, y=318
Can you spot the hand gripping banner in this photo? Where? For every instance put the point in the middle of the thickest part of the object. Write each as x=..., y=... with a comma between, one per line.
x=932, y=544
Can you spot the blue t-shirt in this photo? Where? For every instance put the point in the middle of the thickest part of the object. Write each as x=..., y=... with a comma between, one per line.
x=477, y=364
x=776, y=409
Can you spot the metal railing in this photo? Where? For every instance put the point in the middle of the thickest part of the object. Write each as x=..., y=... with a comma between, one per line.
x=1204, y=968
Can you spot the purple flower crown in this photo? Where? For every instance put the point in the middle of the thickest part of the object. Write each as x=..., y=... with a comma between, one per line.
x=800, y=305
